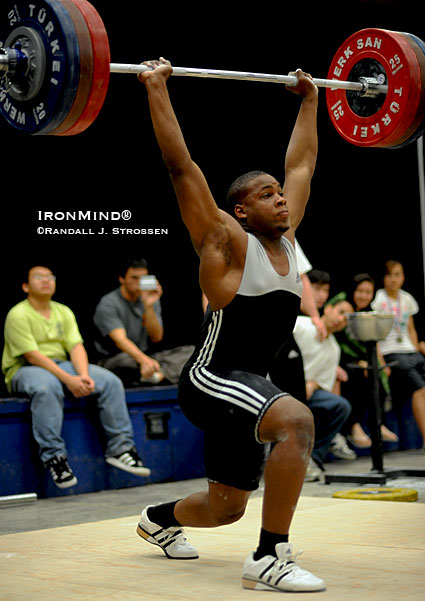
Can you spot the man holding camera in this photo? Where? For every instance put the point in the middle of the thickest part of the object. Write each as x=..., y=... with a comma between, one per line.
x=43, y=359
x=127, y=320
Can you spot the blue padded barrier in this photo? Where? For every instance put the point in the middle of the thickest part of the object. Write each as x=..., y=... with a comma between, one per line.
x=167, y=442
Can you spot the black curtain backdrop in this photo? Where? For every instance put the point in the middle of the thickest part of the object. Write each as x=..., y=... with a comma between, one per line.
x=364, y=206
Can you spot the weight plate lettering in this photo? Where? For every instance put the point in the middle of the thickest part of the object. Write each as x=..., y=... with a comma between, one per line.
x=375, y=122
x=53, y=27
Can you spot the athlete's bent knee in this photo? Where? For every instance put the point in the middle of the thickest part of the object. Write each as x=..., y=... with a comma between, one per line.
x=303, y=427
x=225, y=516
x=286, y=418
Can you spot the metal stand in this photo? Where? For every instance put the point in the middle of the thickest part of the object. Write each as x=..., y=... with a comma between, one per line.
x=377, y=475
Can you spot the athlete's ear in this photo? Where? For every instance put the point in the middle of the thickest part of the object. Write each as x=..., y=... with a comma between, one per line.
x=240, y=211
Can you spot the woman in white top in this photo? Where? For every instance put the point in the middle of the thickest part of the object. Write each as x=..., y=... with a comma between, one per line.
x=402, y=344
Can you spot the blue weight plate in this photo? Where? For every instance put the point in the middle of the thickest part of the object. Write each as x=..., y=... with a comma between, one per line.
x=420, y=130
x=52, y=25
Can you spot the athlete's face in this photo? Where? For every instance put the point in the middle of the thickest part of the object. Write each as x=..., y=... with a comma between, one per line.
x=264, y=208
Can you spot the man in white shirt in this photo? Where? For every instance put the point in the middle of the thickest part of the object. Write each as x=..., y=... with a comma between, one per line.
x=321, y=359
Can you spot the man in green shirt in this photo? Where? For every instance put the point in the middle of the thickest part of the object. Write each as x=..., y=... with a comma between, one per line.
x=44, y=358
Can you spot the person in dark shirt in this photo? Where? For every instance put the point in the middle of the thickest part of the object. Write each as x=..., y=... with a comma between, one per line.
x=127, y=320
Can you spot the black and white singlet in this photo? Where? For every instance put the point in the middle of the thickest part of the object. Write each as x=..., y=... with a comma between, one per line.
x=239, y=342
x=223, y=388
x=249, y=331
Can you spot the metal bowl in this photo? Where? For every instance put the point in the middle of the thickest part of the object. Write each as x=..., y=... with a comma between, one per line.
x=370, y=325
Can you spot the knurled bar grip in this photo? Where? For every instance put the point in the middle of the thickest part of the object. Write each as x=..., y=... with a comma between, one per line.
x=290, y=80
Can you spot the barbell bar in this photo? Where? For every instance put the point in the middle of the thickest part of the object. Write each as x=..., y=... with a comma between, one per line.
x=364, y=85
x=55, y=68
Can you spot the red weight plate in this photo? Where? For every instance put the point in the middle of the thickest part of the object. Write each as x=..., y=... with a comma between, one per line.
x=420, y=114
x=101, y=68
x=394, y=54
x=86, y=68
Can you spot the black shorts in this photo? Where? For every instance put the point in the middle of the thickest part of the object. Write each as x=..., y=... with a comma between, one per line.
x=407, y=376
x=228, y=407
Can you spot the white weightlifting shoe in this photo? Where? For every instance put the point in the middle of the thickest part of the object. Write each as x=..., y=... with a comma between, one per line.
x=171, y=540
x=279, y=574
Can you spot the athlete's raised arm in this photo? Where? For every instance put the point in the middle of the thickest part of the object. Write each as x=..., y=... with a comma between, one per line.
x=301, y=154
x=199, y=211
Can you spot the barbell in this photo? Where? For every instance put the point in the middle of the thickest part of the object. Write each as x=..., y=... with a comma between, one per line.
x=55, y=69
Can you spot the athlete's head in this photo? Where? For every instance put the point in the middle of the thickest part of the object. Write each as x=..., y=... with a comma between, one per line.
x=256, y=200
x=239, y=189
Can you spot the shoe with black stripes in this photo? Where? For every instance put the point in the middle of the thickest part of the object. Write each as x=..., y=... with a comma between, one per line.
x=61, y=472
x=171, y=540
x=280, y=573
x=129, y=461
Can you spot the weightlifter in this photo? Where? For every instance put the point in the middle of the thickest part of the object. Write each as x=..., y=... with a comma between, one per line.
x=248, y=271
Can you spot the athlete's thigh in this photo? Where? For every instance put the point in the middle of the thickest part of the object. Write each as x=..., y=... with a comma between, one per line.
x=226, y=400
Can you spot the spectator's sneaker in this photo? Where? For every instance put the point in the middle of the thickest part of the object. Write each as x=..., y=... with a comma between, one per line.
x=279, y=574
x=340, y=449
x=171, y=540
x=129, y=461
x=62, y=474
x=314, y=473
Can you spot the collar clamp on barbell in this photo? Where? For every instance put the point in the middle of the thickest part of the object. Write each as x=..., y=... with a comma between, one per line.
x=13, y=62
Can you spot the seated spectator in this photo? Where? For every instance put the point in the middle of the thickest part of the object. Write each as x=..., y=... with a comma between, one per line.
x=39, y=336
x=353, y=356
x=321, y=359
x=402, y=344
x=320, y=286
x=127, y=320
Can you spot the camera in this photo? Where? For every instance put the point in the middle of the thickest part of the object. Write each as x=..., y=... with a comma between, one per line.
x=148, y=282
